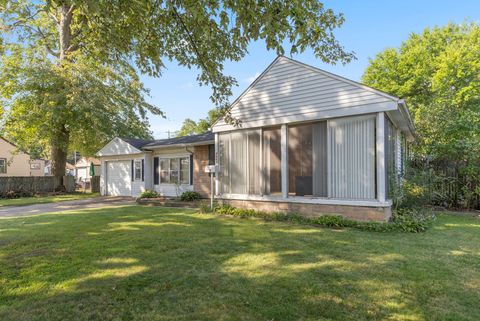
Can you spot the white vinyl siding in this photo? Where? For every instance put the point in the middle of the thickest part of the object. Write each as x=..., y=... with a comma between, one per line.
x=352, y=158
x=290, y=91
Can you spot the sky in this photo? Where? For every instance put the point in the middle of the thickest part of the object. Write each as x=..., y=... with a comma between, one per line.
x=370, y=27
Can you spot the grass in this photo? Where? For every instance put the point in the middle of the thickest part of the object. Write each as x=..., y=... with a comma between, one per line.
x=23, y=201
x=150, y=263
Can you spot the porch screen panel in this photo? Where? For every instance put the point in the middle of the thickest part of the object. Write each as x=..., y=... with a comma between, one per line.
x=224, y=162
x=352, y=158
x=320, y=159
x=272, y=154
x=253, y=164
x=239, y=159
x=238, y=162
x=300, y=165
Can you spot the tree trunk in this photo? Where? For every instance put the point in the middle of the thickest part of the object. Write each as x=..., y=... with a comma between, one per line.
x=59, y=145
x=61, y=136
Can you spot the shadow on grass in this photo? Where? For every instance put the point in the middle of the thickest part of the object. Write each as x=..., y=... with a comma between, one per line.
x=137, y=263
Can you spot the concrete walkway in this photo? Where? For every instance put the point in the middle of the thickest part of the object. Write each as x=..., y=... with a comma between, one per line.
x=97, y=202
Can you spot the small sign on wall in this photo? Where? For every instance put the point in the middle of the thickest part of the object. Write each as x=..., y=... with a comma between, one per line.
x=210, y=169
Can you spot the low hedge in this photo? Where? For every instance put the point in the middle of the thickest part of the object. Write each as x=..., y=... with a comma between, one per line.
x=411, y=220
x=190, y=196
x=149, y=194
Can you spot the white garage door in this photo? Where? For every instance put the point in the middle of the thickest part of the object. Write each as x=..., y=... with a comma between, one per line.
x=119, y=180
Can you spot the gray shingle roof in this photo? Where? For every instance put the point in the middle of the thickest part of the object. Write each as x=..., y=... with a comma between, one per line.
x=137, y=142
x=185, y=140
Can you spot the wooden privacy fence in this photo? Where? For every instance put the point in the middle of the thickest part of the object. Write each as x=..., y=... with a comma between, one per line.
x=95, y=184
x=36, y=184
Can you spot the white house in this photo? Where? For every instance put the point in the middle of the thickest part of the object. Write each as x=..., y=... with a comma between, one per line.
x=82, y=168
x=168, y=166
x=308, y=141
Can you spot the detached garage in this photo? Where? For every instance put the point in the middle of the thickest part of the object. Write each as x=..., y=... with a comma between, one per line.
x=123, y=169
x=118, y=178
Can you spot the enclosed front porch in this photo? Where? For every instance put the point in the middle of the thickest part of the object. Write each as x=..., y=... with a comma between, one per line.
x=324, y=165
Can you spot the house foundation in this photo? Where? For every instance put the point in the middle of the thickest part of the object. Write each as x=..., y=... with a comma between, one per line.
x=358, y=213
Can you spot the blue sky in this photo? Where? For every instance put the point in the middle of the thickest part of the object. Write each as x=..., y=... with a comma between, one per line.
x=370, y=26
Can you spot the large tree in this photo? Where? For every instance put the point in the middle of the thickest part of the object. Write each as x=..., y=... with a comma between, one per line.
x=438, y=73
x=191, y=127
x=70, y=68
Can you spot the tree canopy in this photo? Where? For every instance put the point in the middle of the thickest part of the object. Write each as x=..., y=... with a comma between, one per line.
x=69, y=69
x=438, y=73
x=191, y=127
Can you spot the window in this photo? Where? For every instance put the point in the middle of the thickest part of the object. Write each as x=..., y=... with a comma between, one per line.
x=164, y=171
x=138, y=170
x=3, y=165
x=211, y=154
x=35, y=166
x=175, y=170
x=184, y=170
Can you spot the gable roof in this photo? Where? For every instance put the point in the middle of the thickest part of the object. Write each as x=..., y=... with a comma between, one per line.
x=291, y=91
x=200, y=139
x=85, y=162
x=128, y=146
x=137, y=142
x=14, y=145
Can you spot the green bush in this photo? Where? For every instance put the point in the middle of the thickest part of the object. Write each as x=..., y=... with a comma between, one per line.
x=190, y=196
x=404, y=220
x=149, y=194
x=416, y=219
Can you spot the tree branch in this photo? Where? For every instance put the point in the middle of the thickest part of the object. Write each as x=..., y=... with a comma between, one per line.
x=192, y=42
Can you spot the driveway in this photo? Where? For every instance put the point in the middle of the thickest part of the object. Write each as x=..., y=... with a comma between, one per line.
x=15, y=211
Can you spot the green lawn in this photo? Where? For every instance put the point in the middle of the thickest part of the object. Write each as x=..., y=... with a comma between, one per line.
x=22, y=201
x=150, y=263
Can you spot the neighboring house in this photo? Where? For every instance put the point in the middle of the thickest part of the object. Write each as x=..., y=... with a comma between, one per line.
x=69, y=169
x=14, y=162
x=82, y=168
x=308, y=141
x=168, y=166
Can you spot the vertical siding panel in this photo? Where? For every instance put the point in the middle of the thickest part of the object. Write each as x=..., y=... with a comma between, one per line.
x=351, y=143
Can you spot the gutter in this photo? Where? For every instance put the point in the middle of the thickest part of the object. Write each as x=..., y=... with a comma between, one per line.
x=406, y=114
x=208, y=142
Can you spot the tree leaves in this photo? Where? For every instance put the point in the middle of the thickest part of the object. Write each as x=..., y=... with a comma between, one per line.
x=88, y=84
x=438, y=73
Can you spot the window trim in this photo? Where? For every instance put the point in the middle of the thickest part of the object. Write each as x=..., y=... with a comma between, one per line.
x=139, y=163
x=4, y=166
x=170, y=170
